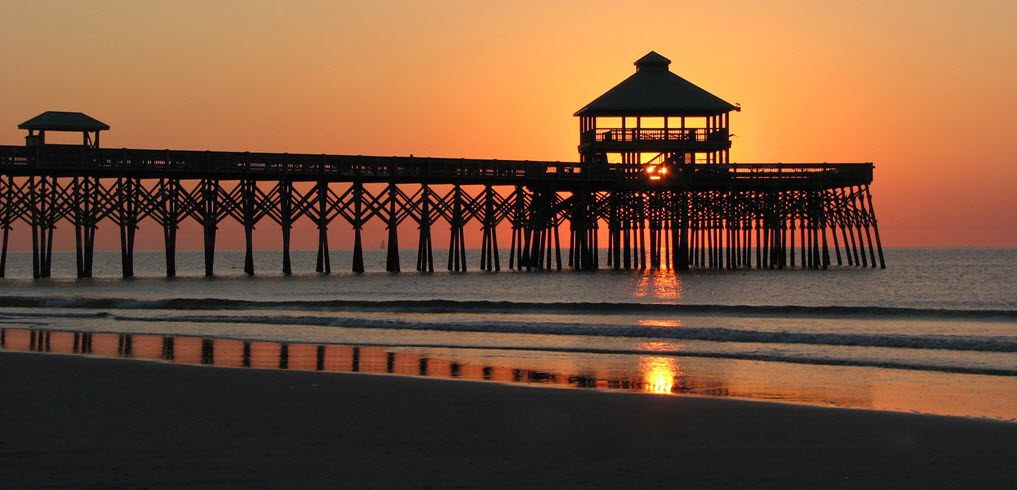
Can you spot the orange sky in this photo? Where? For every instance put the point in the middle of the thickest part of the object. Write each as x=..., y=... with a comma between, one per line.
x=923, y=89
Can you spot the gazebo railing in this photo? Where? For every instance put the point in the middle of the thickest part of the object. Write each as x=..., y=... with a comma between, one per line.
x=628, y=135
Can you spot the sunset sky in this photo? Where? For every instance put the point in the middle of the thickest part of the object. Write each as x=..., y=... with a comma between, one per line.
x=925, y=90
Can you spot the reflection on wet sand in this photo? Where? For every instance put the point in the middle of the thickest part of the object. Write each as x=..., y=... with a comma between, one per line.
x=659, y=374
x=983, y=396
x=649, y=374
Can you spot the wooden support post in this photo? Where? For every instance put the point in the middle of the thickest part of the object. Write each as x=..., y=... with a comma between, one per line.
x=42, y=195
x=792, y=230
x=826, y=249
x=84, y=189
x=809, y=242
x=286, y=222
x=581, y=251
x=747, y=240
x=127, y=217
x=615, y=230
x=727, y=245
x=872, y=249
x=846, y=229
x=457, y=246
x=169, y=190
x=721, y=232
x=542, y=226
x=832, y=215
x=526, y=259
x=875, y=228
x=8, y=214
x=518, y=221
x=52, y=214
x=749, y=223
x=425, y=253
x=666, y=221
x=641, y=229
x=322, y=218
x=683, y=230
x=78, y=223
x=806, y=237
x=557, y=244
x=392, y=222
x=358, y=224
x=694, y=243
x=489, y=260
x=861, y=243
x=209, y=221
x=91, y=224
x=708, y=241
x=35, y=222
x=627, y=236
x=819, y=245
x=248, y=196
x=731, y=242
x=572, y=259
x=858, y=221
x=757, y=223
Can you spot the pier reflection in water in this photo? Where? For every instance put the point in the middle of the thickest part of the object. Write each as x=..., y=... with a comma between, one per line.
x=655, y=374
x=660, y=374
x=652, y=372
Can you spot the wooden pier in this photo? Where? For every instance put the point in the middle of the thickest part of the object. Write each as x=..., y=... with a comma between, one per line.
x=662, y=188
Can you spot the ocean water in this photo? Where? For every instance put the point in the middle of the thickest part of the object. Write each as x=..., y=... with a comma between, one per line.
x=936, y=332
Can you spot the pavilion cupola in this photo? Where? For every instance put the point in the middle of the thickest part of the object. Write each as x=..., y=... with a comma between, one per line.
x=652, y=61
x=655, y=117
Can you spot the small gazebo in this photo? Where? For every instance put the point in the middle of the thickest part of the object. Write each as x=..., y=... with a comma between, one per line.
x=655, y=117
x=71, y=122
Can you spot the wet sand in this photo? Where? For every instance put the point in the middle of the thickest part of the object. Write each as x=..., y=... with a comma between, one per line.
x=88, y=422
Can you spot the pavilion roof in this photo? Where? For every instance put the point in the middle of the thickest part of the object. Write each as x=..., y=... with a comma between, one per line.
x=63, y=121
x=653, y=90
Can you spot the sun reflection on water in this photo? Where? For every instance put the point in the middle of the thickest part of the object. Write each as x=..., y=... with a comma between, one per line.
x=660, y=322
x=658, y=284
x=659, y=374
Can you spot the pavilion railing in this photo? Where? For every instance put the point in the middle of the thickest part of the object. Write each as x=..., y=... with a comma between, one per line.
x=629, y=135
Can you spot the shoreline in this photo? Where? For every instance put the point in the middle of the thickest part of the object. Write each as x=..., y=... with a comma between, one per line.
x=78, y=421
x=522, y=385
x=935, y=392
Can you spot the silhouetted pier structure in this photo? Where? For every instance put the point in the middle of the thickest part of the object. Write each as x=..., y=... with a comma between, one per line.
x=653, y=170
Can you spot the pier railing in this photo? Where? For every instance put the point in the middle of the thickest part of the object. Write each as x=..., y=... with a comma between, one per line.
x=74, y=160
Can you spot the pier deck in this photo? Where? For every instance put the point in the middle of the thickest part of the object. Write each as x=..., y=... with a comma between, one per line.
x=81, y=161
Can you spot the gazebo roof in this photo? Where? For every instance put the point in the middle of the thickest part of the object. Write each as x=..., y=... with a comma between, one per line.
x=654, y=91
x=63, y=121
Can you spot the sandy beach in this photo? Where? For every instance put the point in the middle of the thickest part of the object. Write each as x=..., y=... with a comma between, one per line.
x=87, y=422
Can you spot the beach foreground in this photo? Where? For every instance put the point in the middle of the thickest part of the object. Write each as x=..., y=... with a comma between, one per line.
x=88, y=422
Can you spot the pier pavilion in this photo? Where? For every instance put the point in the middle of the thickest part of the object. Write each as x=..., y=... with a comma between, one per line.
x=653, y=169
